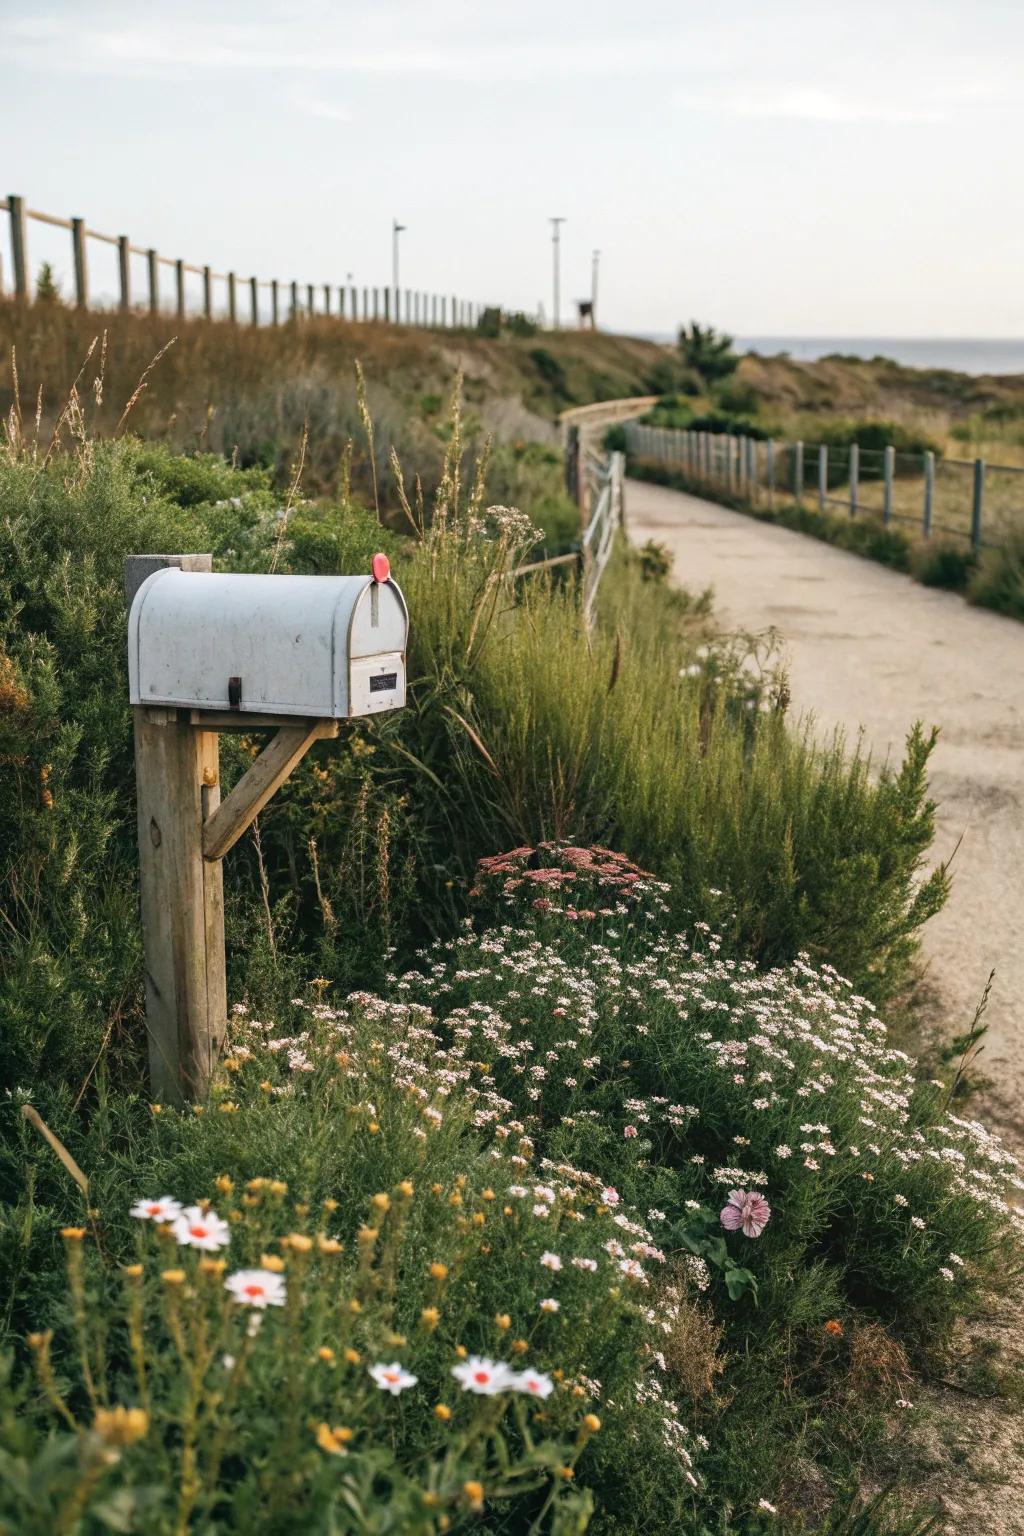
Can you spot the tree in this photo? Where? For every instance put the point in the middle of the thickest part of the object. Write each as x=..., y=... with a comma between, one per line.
x=707, y=351
x=47, y=286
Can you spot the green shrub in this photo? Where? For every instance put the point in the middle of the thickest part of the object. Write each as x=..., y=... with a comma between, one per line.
x=675, y=1075
x=938, y=563
x=707, y=352
x=551, y=371
x=489, y=323
x=520, y=324
x=998, y=581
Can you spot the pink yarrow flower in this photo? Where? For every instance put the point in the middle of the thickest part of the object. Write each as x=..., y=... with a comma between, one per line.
x=746, y=1211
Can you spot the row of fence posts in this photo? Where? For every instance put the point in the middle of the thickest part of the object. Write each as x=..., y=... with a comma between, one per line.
x=735, y=464
x=405, y=306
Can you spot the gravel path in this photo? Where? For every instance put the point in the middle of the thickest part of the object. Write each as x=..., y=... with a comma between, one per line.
x=870, y=649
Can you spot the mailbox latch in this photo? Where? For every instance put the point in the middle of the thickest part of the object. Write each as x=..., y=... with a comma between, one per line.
x=234, y=693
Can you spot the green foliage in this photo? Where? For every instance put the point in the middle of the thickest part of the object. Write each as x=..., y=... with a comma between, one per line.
x=998, y=581
x=873, y=435
x=707, y=352
x=655, y=561
x=551, y=371
x=942, y=563
x=489, y=323
x=519, y=324
x=47, y=287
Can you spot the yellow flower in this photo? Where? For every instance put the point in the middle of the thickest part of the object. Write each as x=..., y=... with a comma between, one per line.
x=278, y=1187
x=227, y=1108
x=197, y=1109
x=503, y=1321
x=406, y=1188
x=455, y=1198
x=266, y=1087
x=232, y=1064
x=442, y=1412
x=368, y=1235
x=328, y=1244
x=396, y=1340
x=474, y=1492
x=224, y=1184
x=298, y=1242
x=120, y=1425
x=40, y=1341
x=331, y=1440
x=156, y=1109
x=591, y=1423
x=330, y=1205
x=461, y=1351
x=302, y=1210
x=381, y=1202
x=431, y=1500
x=355, y=1306
x=430, y=1317
x=325, y=1354
x=352, y=1357
x=235, y=1216
x=478, y=1218
x=373, y=1127
x=439, y=1271
x=131, y=1271
x=519, y=1346
x=212, y=1266
x=272, y=1261
x=435, y=1189
x=506, y=1210
x=488, y=1194
x=173, y=1276
x=568, y=1474
x=72, y=1234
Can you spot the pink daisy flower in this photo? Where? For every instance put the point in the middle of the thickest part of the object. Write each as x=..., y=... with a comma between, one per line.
x=746, y=1211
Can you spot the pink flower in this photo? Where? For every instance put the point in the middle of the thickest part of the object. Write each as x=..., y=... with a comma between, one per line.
x=746, y=1210
x=629, y=1132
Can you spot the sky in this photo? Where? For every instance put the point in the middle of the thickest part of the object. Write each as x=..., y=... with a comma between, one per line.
x=773, y=167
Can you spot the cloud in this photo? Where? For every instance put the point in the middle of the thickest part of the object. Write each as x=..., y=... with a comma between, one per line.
x=316, y=106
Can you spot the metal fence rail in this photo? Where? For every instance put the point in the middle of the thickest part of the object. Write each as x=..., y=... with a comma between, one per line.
x=598, y=486
x=952, y=498
x=401, y=306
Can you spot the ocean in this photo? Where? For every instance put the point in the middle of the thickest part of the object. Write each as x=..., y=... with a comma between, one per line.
x=964, y=354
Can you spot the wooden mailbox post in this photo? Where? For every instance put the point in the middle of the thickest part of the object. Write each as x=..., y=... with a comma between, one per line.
x=321, y=649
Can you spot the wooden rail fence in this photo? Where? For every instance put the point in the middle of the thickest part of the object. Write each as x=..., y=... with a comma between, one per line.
x=400, y=306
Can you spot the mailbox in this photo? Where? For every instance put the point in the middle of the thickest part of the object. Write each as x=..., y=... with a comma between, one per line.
x=331, y=647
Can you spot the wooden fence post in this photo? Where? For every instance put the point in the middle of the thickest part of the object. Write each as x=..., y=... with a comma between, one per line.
x=254, y=301
x=181, y=893
x=295, y=301
x=387, y=305
x=929, y=492
x=275, y=303
x=153, y=266
x=310, y=299
x=854, y=477
x=207, y=293
x=179, y=287
x=822, y=476
x=19, y=246
x=327, y=298
x=124, y=271
x=977, y=502
x=232, y=297
x=798, y=472
x=889, y=467
x=81, y=268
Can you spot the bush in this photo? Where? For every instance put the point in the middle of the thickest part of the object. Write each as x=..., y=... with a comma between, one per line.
x=707, y=352
x=998, y=581
x=551, y=371
x=676, y=1075
x=238, y=1359
x=937, y=563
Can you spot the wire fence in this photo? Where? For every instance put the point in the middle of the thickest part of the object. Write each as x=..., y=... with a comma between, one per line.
x=939, y=497
x=144, y=279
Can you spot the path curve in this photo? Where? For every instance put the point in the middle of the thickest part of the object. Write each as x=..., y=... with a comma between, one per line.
x=868, y=647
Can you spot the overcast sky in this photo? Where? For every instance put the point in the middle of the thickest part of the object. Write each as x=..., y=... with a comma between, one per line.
x=770, y=166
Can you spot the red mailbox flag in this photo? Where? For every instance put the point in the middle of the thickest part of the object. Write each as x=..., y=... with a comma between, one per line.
x=381, y=568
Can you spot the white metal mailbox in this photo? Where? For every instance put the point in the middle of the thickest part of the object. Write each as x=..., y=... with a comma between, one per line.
x=331, y=647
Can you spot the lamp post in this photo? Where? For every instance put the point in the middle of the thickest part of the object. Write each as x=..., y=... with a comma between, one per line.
x=556, y=224
x=396, y=230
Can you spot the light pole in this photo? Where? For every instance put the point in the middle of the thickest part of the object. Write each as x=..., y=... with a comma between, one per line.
x=396, y=230
x=555, y=243
x=593, y=290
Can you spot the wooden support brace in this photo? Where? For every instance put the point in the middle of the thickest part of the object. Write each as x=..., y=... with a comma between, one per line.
x=225, y=826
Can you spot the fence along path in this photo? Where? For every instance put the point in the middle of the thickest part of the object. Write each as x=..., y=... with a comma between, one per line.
x=869, y=649
x=402, y=306
x=954, y=498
